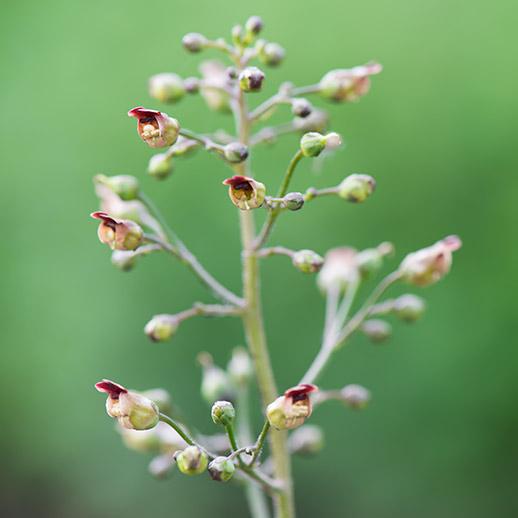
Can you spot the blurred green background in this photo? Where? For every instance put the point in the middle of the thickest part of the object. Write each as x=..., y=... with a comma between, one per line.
x=437, y=131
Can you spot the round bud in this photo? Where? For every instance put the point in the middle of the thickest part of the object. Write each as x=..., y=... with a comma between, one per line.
x=125, y=186
x=191, y=461
x=251, y=79
x=215, y=382
x=123, y=260
x=194, y=42
x=237, y=35
x=301, y=107
x=240, y=365
x=293, y=200
x=409, y=307
x=161, y=327
x=312, y=144
x=160, y=166
x=235, y=152
x=232, y=73
x=371, y=260
x=166, y=87
x=307, y=261
x=356, y=187
x=306, y=440
x=376, y=330
x=223, y=413
x=254, y=25
x=271, y=54
x=355, y=396
x=191, y=85
x=221, y=469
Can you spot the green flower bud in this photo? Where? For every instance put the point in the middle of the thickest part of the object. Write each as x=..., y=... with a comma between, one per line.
x=125, y=186
x=223, y=413
x=191, y=461
x=355, y=396
x=131, y=409
x=118, y=234
x=376, y=330
x=161, y=327
x=240, y=366
x=123, y=259
x=409, y=307
x=254, y=25
x=251, y=79
x=160, y=166
x=306, y=440
x=160, y=397
x=161, y=465
x=142, y=441
x=317, y=120
x=293, y=200
x=344, y=85
x=356, y=187
x=271, y=54
x=301, y=108
x=221, y=469
x=215, y=384
x=194, y=42
x=340, y=269
x=370, y=260
x=166, y=87
x=191, y=85
x=312, y=144
x=307, y=261
x=245, y=193
x=235, y=152
x=237, y=35
x=214, y=86
x=292, y=409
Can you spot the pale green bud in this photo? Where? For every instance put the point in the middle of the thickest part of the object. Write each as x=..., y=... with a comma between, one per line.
x=161, y=327
x=293, y=200
x=251, y=79
x=191, y=461
x=123, y=259
x=356, y=187
x=194, y=42
x=254, y=25
x=307, y=261
x=240, y=366
x=160, y=397
x=376, y=330
x=312, y=144
x=125, y=186
x=340, y=269
x=370, y=260
x=344, y=85
x=271, y=54
x=301, y=108
x=235, y=152
x=221, y=469
x=160, y=166
x=223, y=413
x=166, y=87
x=409, y=307
x=215, y=384
x=355, y=396
x=143, y=441
x=306, y=440
x=237, y=35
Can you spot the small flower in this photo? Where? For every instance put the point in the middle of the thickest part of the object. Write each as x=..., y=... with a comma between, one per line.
x=160, y=166
x=271, y=54
x=301, y=108
x=409, y=308
x=245, y=193
x=223, y=413
x=214, y=85
x=356, y=187
x=293, y=200
x=307, y=261
x=118, y=234
x=348, y=84
x=355, y=396
x=161, y=327
x=166, y=87
x=306, y=440
x=131, y=409
x=430, y=264
x=221, y=469
x=194, y=42
x=340, y=269
x=251, y=79
x=125, y=186
x=291, y=409
x=191, y=461
x=376, y=330
x=155, y=128
x=235, y=152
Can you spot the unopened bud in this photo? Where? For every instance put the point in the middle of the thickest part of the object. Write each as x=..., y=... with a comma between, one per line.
x=355, y=396
x=160, y=397
x=194, y=42
x=223, y=413
x=271, y=54
x=237, y=35
x=245, y=193
x=161, y=327
x=291, y=409
x=348, y=84
x=240, y=366
x=131, y=409
x=313, y=143
x=356, y=187
x=191, y=461
x=306, y=440
x=371, y=260
x=254, y=25
x=235, y=152
x=293, y=200
x=317, y=120
x=409, y=307
x=125, y=186
x=340, y=269
x=191, y=85
x=251, y=79
x=307, y=261
x=118, y=234
x=143, y=441
x=160, y=166
x=161, y=465
x=301, y=108
x=215, y=85
x=123, y=259
x=221, y=469
x=166, y=87
x=376, y=330
x=216, y=384
x=155, y=128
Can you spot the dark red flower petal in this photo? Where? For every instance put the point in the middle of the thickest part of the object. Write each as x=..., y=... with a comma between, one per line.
x=300, y=390
x=142, y=113
x=110, y=387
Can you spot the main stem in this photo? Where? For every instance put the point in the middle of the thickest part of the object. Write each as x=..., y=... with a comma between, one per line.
x=256, y=339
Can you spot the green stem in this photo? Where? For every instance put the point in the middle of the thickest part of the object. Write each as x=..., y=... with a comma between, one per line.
x=258, y=448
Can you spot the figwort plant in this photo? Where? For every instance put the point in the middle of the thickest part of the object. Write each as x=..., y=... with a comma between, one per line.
x=132, y=227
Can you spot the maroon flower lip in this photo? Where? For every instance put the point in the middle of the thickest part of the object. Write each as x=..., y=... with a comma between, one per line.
x=300, y=390
x=142, y=114
x=239, y=183
x=111, y=388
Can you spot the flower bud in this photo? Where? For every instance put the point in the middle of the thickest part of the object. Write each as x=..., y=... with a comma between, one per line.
x=254, y=25
x=160, y=397
x=142, y=441
x=223, y=413
x=293, y=200
x=271, y=54
x=161, y=327
x=344, y=85
x=356, y=187
x=191, y=85
x=313, y=143
x=317, y=120
x=301, y=108
x=124, y=259
x=291, y=409
x=376, y=330
x=221, y=469
x=340, y=269
x=370, y=260
x=307, y=261
x=191, y=461
x=430, y=264
x=125, y=186
x=215, y=384
x=194, y=42
x=161, y=465
x=214, y=86
x=306, y=440
x=235, y=152
x=245, y=193
x=355, y=396
x=166, y=87
x=237, y=35
x=118, y=234
x=155, y=128
x=251, y=79
x=160, y=166
x=131, y=409
x=409, y=307
x=240, y=366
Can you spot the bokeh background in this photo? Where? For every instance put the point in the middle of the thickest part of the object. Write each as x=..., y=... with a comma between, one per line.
x=438, y=131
